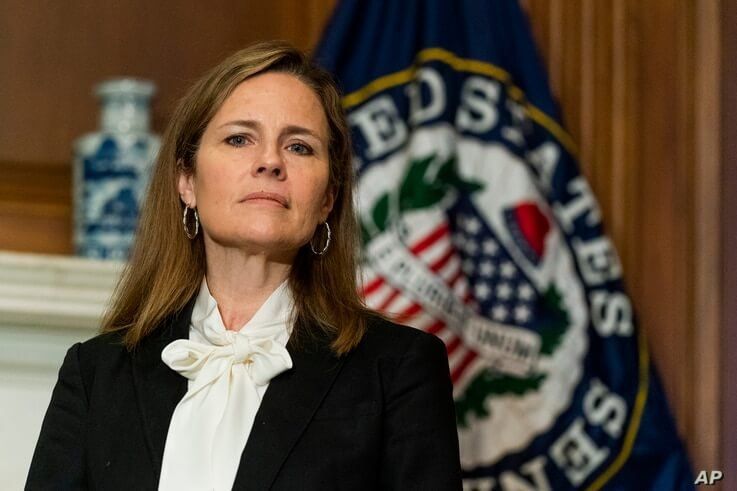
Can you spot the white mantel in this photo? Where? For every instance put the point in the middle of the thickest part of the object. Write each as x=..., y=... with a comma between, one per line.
x=47, y=303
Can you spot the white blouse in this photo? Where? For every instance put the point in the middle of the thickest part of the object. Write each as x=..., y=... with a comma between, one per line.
x=228, y=374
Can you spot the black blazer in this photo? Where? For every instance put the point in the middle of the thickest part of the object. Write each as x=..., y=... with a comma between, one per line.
x=381, y=417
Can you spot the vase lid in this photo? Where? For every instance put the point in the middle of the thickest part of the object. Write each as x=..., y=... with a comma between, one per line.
x=125, y=87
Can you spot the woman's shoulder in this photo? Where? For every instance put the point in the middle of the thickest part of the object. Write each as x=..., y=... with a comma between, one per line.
x=104, y=341
x=84, y=360
x=401, y=356
x=106, y=347
x=390, y=338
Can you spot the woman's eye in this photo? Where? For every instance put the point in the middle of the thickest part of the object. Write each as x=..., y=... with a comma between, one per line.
x=300, y=149
x=236, y=140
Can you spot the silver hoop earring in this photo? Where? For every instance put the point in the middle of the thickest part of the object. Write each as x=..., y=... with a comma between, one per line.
x=189, y=235
x=327, y=242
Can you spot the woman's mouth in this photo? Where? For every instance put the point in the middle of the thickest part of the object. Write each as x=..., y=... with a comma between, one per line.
x=268, y=197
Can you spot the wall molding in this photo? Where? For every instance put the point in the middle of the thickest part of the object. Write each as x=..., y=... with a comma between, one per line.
x=54, y=291
x=46, y=304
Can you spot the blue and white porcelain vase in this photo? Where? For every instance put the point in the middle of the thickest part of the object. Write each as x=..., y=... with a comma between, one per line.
x=112, y=168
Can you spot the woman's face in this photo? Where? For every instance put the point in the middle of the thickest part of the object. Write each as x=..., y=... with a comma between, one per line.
x=261, y=171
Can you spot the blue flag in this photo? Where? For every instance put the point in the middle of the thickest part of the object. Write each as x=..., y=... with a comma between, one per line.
x=479, y=228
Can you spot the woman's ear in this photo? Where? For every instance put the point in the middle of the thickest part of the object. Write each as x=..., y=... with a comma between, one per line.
x=328, y=202
x=185, y=186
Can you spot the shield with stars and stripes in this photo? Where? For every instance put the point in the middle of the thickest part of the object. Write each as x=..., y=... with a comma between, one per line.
x=459, y=242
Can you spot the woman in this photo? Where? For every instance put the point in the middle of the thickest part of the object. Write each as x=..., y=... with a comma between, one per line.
x=237, y=352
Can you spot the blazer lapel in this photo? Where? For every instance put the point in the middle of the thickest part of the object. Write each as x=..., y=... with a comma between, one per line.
x=158, y=387
x=287, y=408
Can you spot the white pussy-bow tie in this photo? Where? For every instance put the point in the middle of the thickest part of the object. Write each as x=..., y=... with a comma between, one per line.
x=211, y=423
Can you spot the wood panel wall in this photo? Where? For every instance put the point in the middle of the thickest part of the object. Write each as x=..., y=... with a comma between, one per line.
x=642, y=86
x=639, y=86
x=53, y=53
x=728, y=334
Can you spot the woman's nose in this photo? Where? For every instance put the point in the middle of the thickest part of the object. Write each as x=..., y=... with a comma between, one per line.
x=270, y=164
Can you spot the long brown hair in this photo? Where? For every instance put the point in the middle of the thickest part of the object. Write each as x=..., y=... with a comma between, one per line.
x=166, y=268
